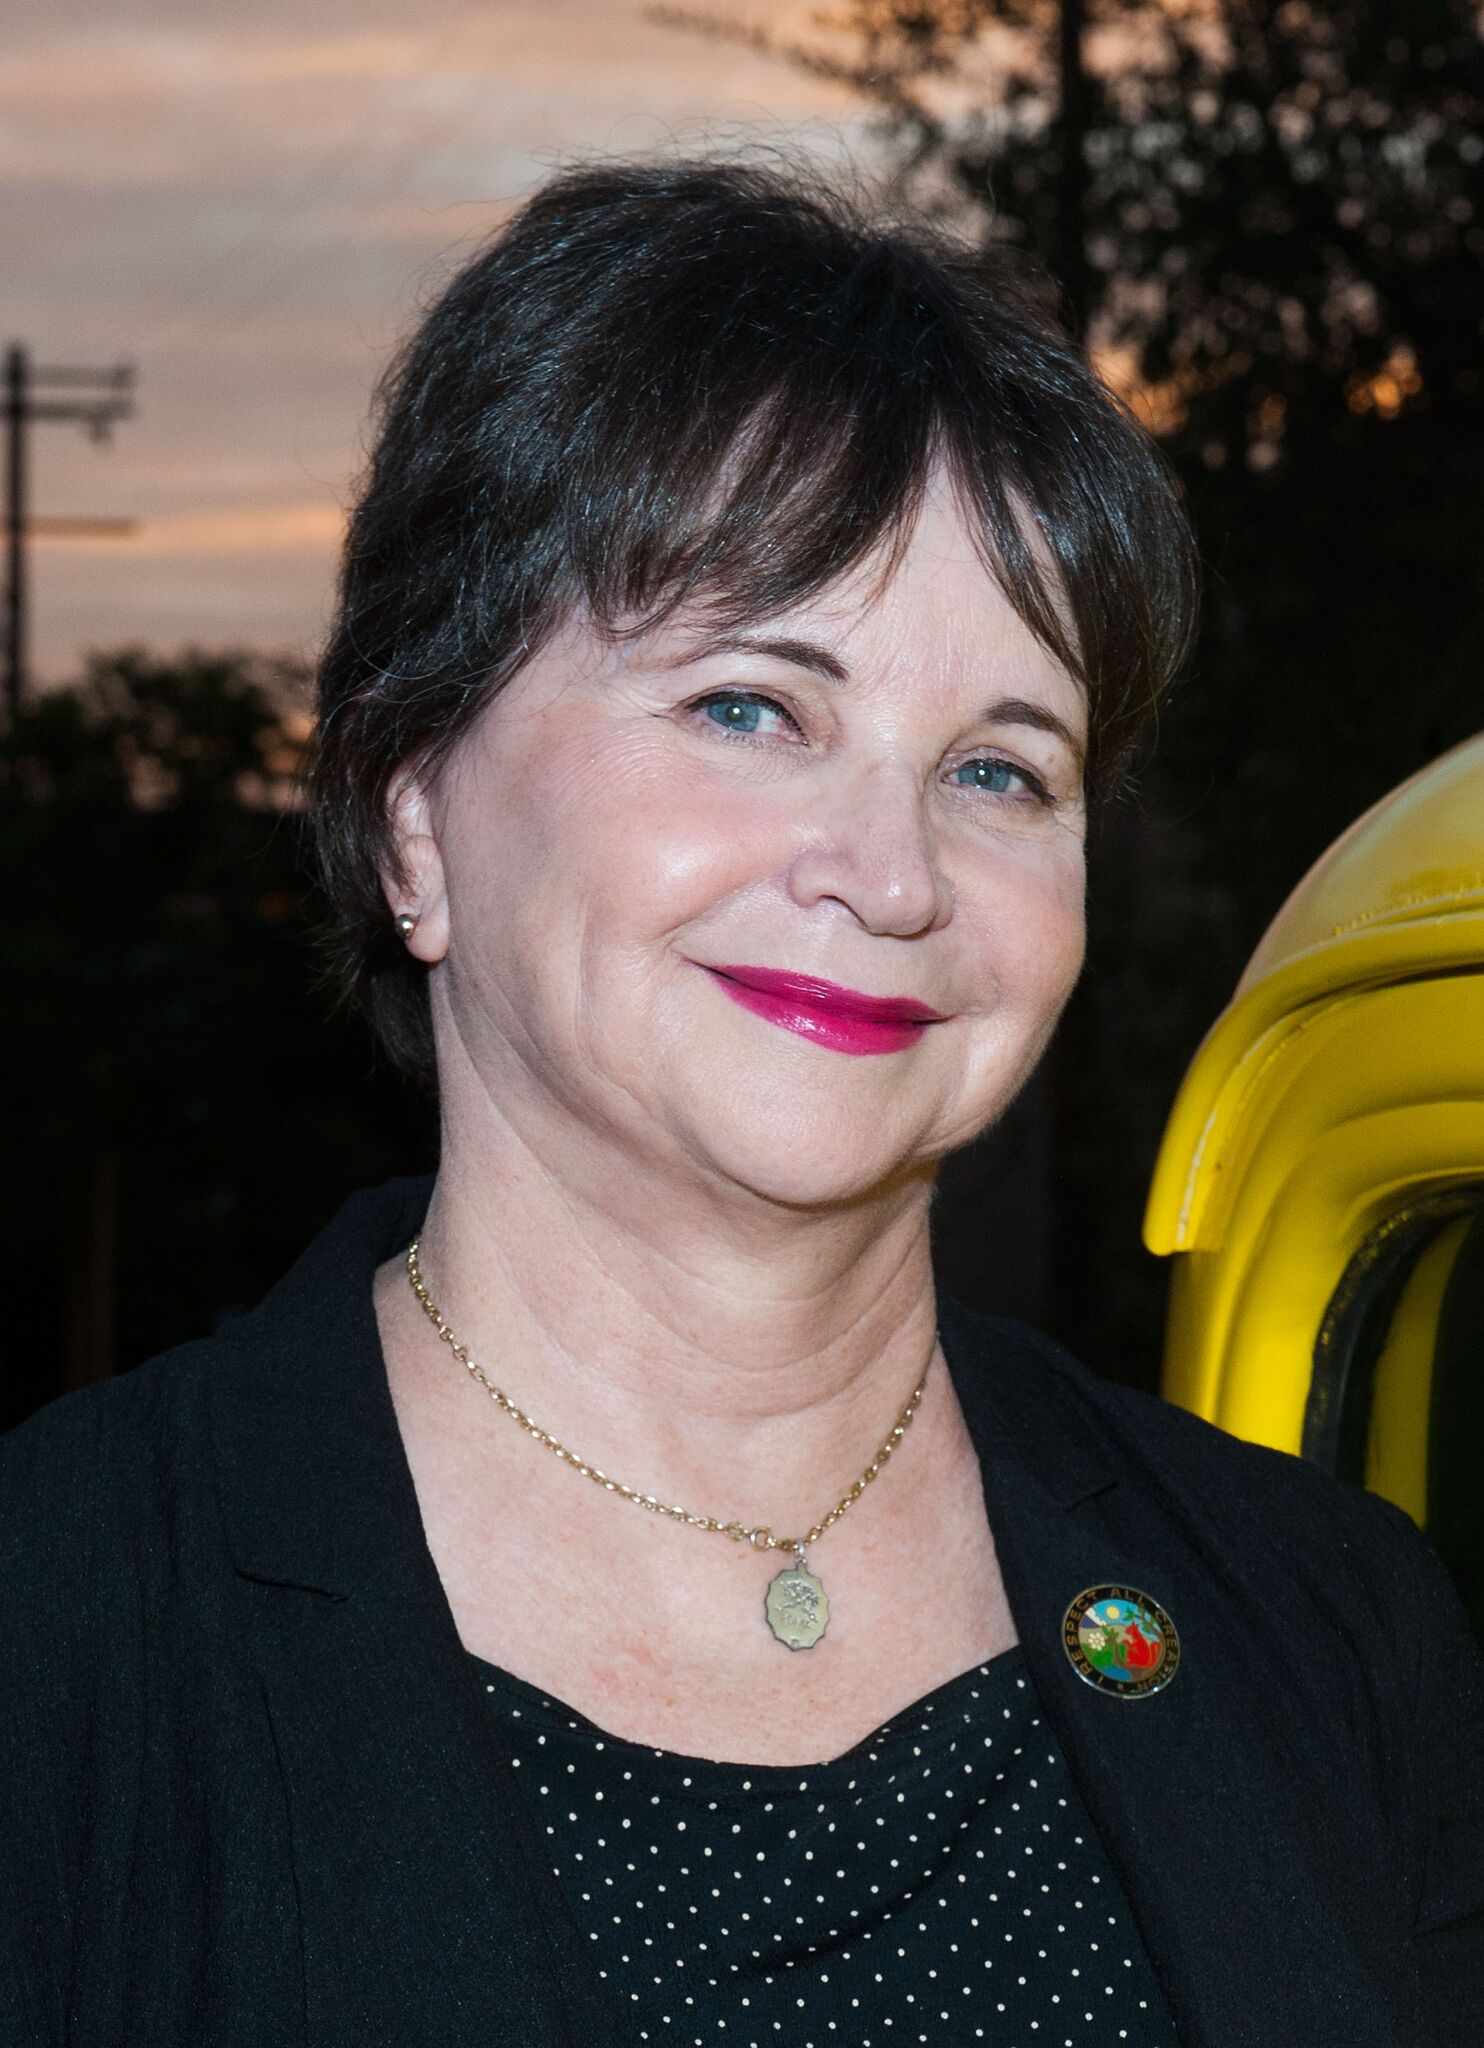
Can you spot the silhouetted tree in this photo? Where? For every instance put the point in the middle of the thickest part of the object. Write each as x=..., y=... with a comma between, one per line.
x=1269, y=205
x=182, y=1111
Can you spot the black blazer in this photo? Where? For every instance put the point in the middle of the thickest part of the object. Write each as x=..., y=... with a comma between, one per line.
x=250, y=1790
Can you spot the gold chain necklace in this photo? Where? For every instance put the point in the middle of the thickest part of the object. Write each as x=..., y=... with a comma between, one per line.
x=796, y=1607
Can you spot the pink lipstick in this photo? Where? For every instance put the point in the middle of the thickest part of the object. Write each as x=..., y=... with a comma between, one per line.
x=843, y=1019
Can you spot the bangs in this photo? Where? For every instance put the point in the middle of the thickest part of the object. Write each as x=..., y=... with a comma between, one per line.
x=779, y=439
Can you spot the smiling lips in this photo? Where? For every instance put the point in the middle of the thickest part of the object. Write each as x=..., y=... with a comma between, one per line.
x=843, y=1019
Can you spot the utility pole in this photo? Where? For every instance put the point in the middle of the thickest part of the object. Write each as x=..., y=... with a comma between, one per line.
x=102, y=397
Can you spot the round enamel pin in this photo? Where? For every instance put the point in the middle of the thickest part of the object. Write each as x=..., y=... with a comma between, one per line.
x=1121, y=1641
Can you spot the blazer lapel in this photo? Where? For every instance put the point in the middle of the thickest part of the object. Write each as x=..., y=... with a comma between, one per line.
x=425, y=1914
x=428, y=1909
x=1224, y=1859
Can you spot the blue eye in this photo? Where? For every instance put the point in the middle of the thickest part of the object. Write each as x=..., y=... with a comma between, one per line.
x=995, y=777
x=739, y=711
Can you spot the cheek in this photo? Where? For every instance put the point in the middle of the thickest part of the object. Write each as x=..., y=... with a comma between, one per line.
x=1066, y=923
x=604, y=824
x=1030, y=924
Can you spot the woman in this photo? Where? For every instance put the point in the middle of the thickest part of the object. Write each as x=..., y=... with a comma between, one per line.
x=497, y=1636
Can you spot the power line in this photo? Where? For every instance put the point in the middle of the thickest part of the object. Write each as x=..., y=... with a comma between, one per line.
x=80, y=529
x=102, y=398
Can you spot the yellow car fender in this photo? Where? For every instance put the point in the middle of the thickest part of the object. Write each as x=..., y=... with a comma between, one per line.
x=1332, y=1118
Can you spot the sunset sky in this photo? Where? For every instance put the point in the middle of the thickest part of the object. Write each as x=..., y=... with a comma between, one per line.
x=251, y=204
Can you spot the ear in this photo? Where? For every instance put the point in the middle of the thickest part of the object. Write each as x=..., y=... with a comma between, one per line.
x=417, y=883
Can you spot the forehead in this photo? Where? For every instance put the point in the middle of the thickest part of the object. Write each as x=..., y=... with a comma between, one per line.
x=937, y=578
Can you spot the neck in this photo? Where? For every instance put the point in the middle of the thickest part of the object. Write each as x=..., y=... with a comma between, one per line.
x=737, y=1355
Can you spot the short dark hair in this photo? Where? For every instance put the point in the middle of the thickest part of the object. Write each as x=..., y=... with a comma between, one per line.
x=677, y=379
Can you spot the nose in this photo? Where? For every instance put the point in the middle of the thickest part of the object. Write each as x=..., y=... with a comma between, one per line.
x=876, y=854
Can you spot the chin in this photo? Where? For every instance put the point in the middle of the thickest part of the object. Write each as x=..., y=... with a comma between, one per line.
x=808, y=1161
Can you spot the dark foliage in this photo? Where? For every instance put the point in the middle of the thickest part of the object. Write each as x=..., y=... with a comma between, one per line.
x=181, y=1110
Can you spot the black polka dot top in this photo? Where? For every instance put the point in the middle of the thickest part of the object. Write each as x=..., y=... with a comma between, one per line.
x=940, y=1882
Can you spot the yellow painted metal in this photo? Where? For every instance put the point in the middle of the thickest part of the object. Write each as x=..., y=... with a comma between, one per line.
x=1345, y=1079
x=1416, y=855
x=1396, y=1444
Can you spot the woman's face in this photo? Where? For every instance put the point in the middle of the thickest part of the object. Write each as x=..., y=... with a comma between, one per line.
x=882, y=791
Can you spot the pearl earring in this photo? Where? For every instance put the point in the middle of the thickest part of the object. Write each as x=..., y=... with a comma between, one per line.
x=406, y=923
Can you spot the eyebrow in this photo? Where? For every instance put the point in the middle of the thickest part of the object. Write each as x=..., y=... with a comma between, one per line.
x=799, y=653
x=1021, y=711
x=809, y=654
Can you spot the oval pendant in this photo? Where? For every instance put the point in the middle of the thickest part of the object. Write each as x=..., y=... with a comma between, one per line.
x=797, y=1608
